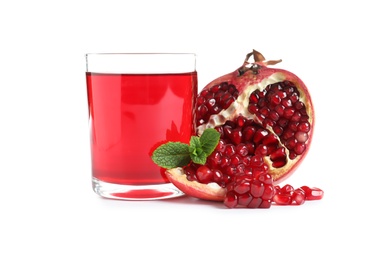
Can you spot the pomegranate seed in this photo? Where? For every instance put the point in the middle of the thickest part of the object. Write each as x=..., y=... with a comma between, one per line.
x=236, y=136
x=257, y=188
x=242, y=149
x=288, y=112
x=210, y=103
x=231, y=89
x=235, y=159
x=246, y=160
x=259, y=135
x=261, y=150
x=275, y=99
x=215, y=159
x=242, y=187
x=225, y=161
x=253, y=109
x=294, y=97
x=218, y=95
x=202, y=110
x=282, y=199
x=277, y=130
x=280, y=153
x=279, y=109
x=224, y=86
x=282, y=94
x=269, y=192
x=231, y=171
x=215, y=88
x=230, y=150
x=204, y=93
x=217, y=176
x=255, y=203
x=267, y=122
x=251, y=147
x=290, y=143
x=270, y=140
x=264, y=111
x=293, y=126
x=244, y=199
x=256, y=161
x=225, y=103
x=241, y=169
x=312, y=193
x=292, y=155
x=265, y=204
x=225, y=96
x=282, y=122
x=287, y=189
x=298, y=196
x=248, y=133
x=204, y=174
x=231, y=200
x=262, y=169
x=200, y=100
x=279, y=163
x=299, y=148
x=304, y=127
x=286, y=102
x=301, y=137
x=221, y=145
x=296, y=117
x=241, y=121
x=254, y=97
x=273, y=115
x=287, y=134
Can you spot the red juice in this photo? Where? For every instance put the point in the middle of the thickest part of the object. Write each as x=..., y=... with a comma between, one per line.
x=130, y=116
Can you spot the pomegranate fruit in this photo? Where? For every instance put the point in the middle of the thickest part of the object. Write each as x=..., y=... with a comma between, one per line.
x=265, y=118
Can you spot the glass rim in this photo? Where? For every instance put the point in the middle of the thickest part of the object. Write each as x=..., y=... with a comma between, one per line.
x=141, y=62
x=140, y=53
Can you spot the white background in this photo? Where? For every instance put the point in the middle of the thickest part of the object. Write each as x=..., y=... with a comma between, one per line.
x=47, y=207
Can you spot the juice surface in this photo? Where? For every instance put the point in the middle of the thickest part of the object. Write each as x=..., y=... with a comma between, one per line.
x=130, y=116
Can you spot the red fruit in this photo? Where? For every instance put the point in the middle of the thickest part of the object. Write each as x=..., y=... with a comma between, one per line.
x=266, y=119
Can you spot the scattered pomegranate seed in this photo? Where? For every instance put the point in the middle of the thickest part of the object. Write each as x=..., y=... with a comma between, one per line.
x=287, y=195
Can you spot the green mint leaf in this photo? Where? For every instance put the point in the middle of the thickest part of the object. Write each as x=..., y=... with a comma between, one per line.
x=171, y=155
x=176, y=154
x=209, y=140
x=196, y=151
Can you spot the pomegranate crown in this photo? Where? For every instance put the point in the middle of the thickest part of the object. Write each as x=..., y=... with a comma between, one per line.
x=259, y=61
x=259, y=58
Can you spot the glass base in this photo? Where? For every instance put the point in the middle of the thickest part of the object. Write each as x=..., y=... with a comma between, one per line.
x=135, y=192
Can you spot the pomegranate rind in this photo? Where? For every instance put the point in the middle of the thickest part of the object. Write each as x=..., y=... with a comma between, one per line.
x=211, y=191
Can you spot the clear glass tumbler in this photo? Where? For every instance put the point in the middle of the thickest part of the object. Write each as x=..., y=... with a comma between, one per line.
x=137, y=101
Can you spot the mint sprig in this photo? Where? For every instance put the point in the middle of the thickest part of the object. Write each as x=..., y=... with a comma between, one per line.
x=177, y=154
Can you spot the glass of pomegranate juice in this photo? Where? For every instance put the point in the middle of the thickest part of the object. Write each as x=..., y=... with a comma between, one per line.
x=137, y=101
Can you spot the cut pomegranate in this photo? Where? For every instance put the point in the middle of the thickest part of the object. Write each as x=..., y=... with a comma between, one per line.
x=265, y=118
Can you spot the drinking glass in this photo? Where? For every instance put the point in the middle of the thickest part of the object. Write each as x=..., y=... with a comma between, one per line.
x=137, y=101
